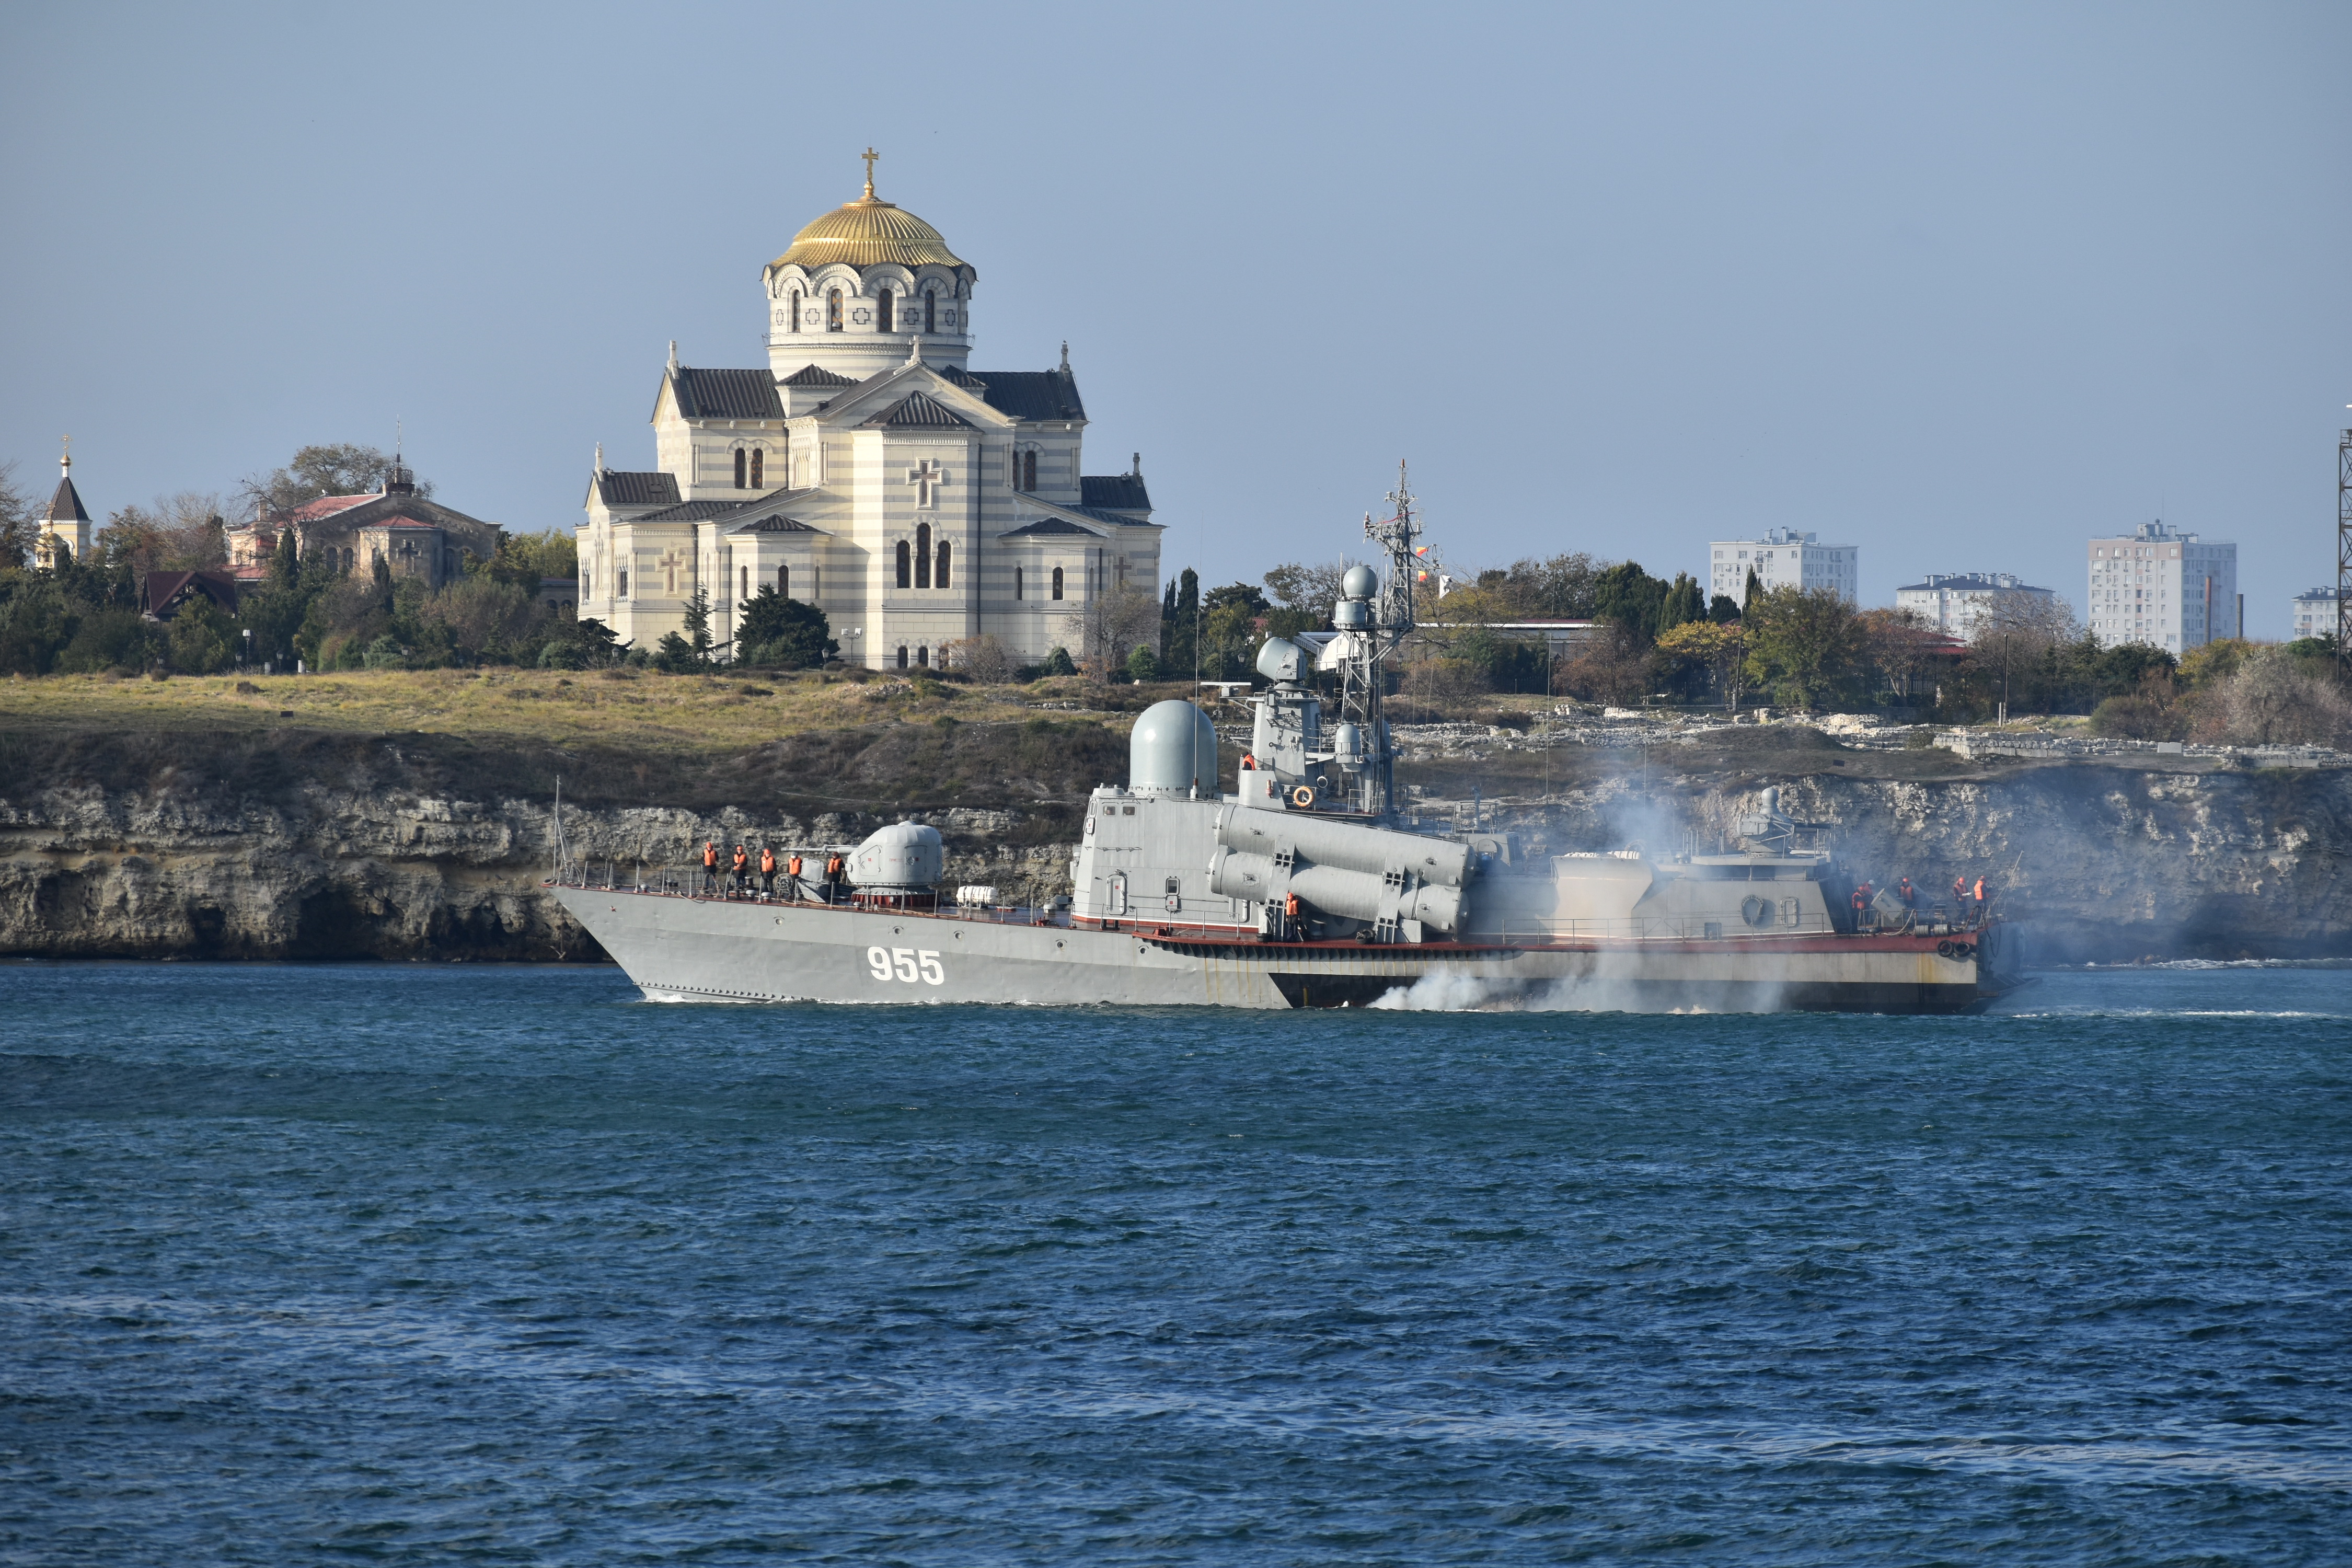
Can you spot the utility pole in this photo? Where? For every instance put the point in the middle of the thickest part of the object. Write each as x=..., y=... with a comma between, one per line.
x=2343, y=555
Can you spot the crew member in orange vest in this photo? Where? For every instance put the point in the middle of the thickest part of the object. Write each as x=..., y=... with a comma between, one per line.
x=832, y=878
x=742, y=868
x=1907, y=893
x=1861, y=903
x=1290, y=914
x=792, y=878
x=1980, y=901
x=710, y=865
x=767, y=871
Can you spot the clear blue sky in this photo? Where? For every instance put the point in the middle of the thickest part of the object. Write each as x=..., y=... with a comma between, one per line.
x=1962, y=284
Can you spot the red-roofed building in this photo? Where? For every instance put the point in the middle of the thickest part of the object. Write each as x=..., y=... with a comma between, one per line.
x=415, y=537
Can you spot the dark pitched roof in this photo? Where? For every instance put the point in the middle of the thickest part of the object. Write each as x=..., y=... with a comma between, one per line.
x=65, y=505
x=918, y=412
x=696, y=511
x=707, y=510
x=727, y=394
x=1115, y=492
x=1049, y=525
x=775, y=525
x=161, y=593
x=617, y=488
x=817, y=375
x=1116, y=520
x=1030, y=394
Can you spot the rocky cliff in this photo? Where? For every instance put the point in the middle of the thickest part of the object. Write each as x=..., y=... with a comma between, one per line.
x=302, y=845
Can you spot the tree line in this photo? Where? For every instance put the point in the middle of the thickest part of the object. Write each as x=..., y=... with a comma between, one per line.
x=1658, y=639
x=85, y=616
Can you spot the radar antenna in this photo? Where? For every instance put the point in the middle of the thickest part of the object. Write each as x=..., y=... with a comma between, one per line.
x=1369, y=648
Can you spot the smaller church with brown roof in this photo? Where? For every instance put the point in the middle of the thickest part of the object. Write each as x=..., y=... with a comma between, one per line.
x=414, y=537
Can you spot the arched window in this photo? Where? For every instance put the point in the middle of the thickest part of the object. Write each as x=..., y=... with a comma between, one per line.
x=902, y=656
x=784, y=582
x=906, y=566
x=796, y=309
x=930, y=310
x=759, y=464
x=883, y=313
x=923, y=656
x=621, y=586
x=1058, y=581
x=922, y=555
x=745, y=592
x=833, y=311
x=739, y=468
x=1029, y=469
x=940, y=580
x=1016, y=583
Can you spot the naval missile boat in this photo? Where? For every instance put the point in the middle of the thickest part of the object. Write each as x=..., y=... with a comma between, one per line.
x=1306, y=886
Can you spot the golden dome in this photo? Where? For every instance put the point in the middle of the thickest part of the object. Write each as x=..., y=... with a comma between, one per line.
x=866, y=232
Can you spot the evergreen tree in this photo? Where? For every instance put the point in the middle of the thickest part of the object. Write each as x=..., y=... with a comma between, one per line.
x=778, y=633
x=684, y=655
x=283, y=565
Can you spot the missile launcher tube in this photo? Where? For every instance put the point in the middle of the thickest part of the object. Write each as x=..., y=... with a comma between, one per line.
x=1374, y=851
x=1354, y=895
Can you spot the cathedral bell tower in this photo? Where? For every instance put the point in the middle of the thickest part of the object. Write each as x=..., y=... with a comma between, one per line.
x=864, y=287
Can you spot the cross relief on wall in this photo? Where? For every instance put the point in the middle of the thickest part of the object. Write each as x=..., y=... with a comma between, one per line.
x=669, y=564
x=927, y=479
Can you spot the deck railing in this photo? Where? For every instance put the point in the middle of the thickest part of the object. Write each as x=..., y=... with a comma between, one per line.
x=688, y=882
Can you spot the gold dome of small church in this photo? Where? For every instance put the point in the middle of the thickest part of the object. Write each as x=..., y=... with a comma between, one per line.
x=867, y=232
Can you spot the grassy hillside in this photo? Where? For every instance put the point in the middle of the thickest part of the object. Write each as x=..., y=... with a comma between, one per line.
x=799, y=743
x=633, y=709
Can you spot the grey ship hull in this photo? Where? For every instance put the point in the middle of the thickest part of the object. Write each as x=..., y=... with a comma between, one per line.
x=691, y=948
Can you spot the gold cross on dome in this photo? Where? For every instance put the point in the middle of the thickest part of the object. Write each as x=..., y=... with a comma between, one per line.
x=869, y=155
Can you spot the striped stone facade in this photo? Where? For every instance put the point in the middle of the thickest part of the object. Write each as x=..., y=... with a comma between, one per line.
x=868, y=471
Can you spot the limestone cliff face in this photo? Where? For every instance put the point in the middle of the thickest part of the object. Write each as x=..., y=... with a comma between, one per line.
x=368, y=853
x=181, y=847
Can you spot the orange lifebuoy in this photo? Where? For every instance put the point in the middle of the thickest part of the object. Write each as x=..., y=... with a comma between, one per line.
x=1303, y=796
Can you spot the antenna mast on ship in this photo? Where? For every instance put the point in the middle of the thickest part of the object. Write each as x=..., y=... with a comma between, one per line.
x=1391, y=621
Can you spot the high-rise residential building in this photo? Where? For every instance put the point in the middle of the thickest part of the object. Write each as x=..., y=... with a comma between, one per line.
x=2314, y=613
x=1783, y=558
x=1955, y=602
x=2157, y=585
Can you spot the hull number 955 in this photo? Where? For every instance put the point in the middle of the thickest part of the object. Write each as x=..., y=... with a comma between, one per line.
x=906, y=964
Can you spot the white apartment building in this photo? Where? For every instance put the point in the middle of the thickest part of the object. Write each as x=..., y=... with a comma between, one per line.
x=2314, y=613
x=2168, y=589
x=1954, y=602
x=1783, y=558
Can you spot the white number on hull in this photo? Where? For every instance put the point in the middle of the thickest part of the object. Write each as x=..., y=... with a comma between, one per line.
x=906, y=964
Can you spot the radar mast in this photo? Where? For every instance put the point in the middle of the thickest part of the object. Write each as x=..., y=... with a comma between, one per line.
x=1379, y=629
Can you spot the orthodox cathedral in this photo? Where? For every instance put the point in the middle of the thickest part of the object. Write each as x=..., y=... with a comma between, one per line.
x=865, y=470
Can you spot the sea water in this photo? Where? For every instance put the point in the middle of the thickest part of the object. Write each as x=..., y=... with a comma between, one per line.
x=394, y=1265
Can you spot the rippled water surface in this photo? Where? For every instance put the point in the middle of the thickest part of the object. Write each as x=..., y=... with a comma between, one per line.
x=388, y=1265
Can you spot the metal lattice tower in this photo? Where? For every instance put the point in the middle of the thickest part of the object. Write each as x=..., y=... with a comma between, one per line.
x=2344, y=552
